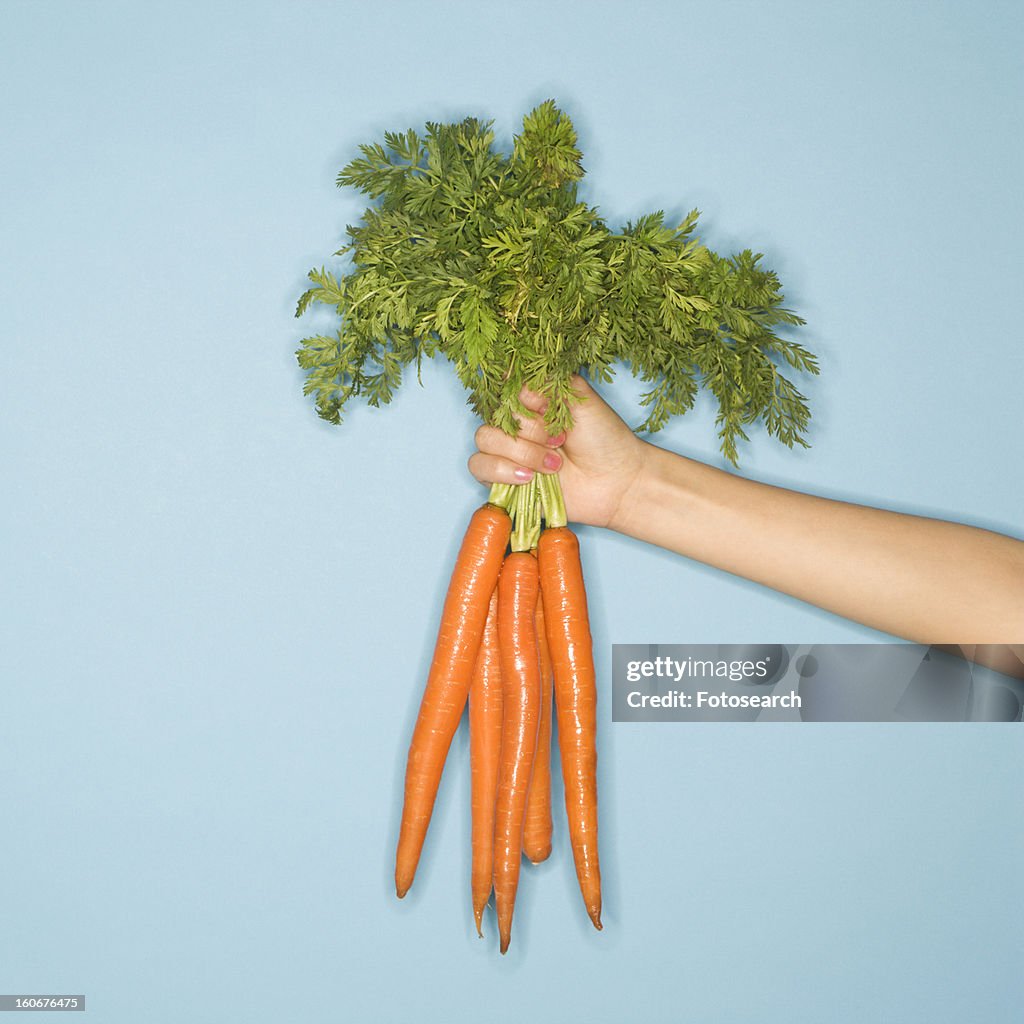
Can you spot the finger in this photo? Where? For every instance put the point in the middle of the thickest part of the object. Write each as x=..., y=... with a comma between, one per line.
x=532, y=428
x=492, y=469
x=581, y=386
x=523, y=452
x=533, y=401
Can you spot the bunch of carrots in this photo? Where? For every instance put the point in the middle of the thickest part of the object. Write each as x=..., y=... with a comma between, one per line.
x=514, y=633
x=493, y=261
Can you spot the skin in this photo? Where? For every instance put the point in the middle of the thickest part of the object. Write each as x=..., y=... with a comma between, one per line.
x=925, y=580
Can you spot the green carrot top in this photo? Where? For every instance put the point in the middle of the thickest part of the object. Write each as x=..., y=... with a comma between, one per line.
x=493, y=261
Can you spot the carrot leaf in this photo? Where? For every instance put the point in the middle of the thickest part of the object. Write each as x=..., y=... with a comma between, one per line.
x=492, y=261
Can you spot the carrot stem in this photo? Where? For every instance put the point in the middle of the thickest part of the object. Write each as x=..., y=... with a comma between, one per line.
x=526, y=516
x=530, y=506
x=552, y=501
x=501, y=495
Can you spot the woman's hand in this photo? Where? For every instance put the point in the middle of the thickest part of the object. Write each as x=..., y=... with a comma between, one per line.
x=928, y=581
x=599, y=461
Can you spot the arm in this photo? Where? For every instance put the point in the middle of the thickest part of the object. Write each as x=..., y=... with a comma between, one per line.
x=922, y=579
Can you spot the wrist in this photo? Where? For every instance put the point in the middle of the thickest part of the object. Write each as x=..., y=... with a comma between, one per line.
x=668, y=496
x=637, y=496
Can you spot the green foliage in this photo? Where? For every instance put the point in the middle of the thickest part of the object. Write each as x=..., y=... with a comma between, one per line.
x=493, y=262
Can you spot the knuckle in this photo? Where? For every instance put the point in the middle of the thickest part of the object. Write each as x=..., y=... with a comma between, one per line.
x=528, y=454
x=485, y=468
x=492, y=441
x=532, y=429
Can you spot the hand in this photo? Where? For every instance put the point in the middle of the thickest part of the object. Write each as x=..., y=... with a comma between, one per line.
x=599, y=461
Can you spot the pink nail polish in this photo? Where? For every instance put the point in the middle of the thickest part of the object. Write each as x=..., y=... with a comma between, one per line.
x=523, y=474
x=552, y=461
x=555, y=442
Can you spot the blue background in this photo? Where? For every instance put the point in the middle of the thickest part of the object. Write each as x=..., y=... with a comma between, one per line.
x=217, y=610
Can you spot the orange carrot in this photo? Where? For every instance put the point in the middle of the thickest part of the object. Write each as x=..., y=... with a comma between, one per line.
x=521, y=689
x=458, y=640
x=484, y=751
x=537, y=830
x=568, y=630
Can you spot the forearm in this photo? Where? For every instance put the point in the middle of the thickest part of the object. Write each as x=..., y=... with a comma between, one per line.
x=922, y=579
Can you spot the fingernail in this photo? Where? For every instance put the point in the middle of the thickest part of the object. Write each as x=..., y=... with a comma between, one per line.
x=552, y=461
x=523, y=474
x=554, y=442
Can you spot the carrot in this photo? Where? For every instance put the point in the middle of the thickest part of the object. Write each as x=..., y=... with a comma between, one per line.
x=537, y=830
x=458, y=640
x=521, y=690
x=568, y=630
x=484, y=751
